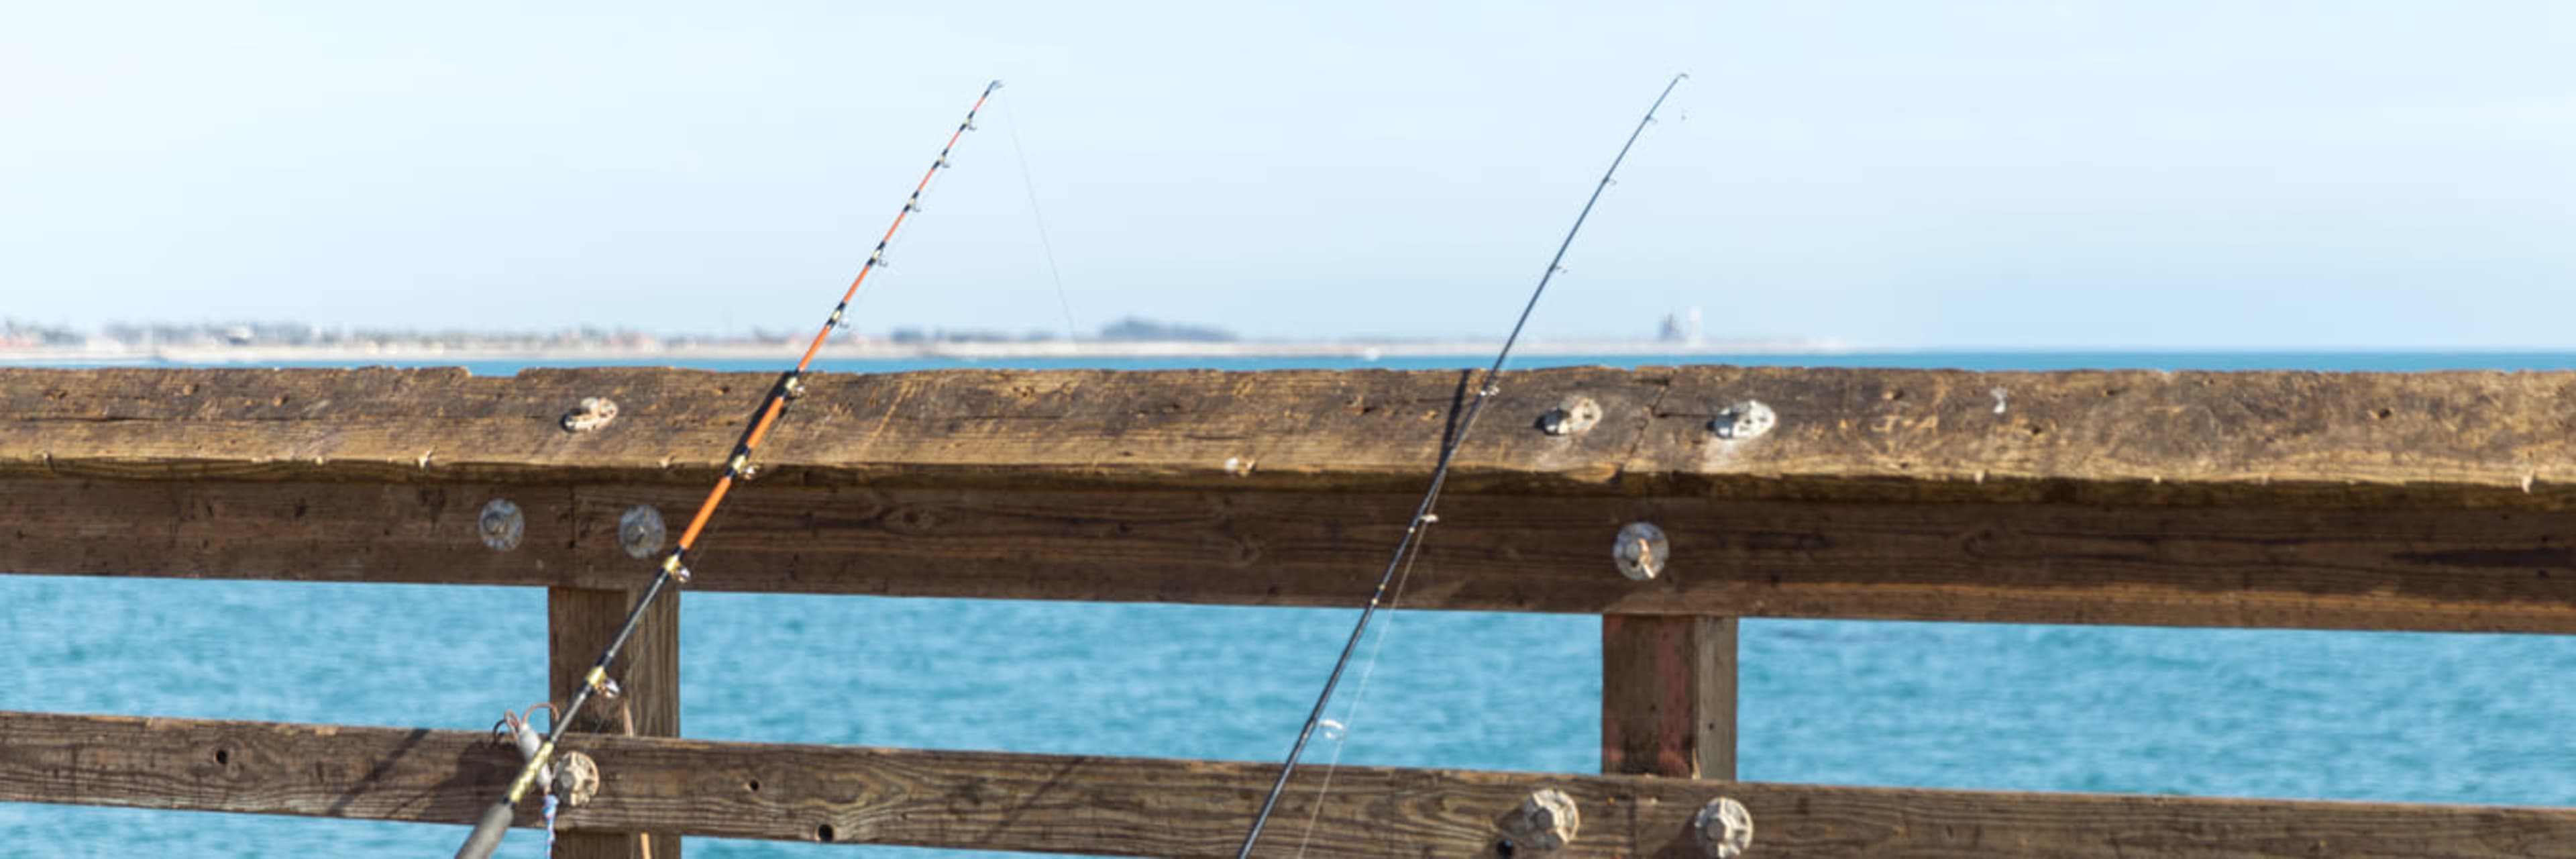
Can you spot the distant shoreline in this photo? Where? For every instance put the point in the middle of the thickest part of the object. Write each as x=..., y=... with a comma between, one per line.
x=879, y=350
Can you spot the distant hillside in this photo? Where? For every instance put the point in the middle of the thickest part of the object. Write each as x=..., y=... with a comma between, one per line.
x=1138, y=329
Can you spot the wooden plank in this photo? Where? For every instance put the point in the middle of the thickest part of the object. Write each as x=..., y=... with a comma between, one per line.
x=2459, y=570
x=2342, y=440
x=1668, y=696
x=2028, y=563
x=580, y=622
x=674, y=427
x=1131, y=806
x=337, y=532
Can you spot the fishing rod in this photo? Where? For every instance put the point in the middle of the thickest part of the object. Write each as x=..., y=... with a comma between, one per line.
x=791, y=384
x=1422, y=514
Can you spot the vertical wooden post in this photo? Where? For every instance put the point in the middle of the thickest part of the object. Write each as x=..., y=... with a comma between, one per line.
x=579, y=623
x=1668, y=696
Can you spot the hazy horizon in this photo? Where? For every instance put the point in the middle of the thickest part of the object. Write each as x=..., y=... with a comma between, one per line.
x=1819, y=345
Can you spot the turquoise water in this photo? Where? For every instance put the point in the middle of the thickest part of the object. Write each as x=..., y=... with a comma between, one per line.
x=2412, y=717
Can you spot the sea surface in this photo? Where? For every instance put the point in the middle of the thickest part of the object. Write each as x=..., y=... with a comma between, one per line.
x=2339, y=715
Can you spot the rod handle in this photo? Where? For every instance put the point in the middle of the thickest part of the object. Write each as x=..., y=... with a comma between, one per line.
x=488, y=831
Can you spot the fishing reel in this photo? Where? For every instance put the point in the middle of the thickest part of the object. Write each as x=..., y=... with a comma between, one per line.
x=573, y=776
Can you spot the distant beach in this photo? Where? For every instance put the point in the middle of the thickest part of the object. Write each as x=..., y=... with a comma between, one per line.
x=407, y=352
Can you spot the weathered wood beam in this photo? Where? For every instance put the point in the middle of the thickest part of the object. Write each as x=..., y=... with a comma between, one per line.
x=336, y=532
x=1150, y=807
x=580, y=622
x=1668, y=696
x=2256, y=439
x=2431, y=570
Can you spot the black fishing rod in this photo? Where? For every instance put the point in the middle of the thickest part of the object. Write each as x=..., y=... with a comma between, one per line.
x=1422, y=514
x=496, y=820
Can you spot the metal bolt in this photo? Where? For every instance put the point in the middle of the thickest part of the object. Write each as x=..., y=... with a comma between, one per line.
x=595, y=412
x=1641, y=551
x=501, y=525
x=1572, y=416
x=1546, y=821
x=640, y=531
x=1724, y=827
x=1744, y=420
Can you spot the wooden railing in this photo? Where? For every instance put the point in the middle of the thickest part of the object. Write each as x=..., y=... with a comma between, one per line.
x=2296, y=500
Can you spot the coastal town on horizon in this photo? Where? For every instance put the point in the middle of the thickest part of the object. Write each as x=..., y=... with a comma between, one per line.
x=267, y=342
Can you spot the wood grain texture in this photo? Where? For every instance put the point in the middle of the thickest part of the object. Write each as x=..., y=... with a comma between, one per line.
x=1150, y=807
x=580, y=623
x=2457, y=570
x=1668, y=696
x=2470, y=570
x=2344, y=440
x=339, y=532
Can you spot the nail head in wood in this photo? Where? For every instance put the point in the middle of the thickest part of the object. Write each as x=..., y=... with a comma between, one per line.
x=1545, y=822
x=1745, y=420
x=1725, y=828
x=1572, y=416
x=501, y=525
x=1641, y=551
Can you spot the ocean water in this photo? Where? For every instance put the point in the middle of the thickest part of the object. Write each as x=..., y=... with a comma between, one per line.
x=2338, y=715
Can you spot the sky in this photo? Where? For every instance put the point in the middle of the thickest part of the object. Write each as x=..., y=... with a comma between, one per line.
x=2003, y=174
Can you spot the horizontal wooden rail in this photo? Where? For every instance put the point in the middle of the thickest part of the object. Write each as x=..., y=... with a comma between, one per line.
x=2303, y=500
x=2255, y=439
x=1152, y=807
x=2460, y=570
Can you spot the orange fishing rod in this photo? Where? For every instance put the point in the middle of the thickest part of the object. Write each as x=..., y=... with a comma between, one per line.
x=496, y=820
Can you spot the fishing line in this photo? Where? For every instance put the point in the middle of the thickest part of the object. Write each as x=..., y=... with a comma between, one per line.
x=1422, y=514
x=1011, y=120
x=1359, y=693
x=495, y=822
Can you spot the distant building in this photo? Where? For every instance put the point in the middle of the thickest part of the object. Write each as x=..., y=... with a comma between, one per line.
x=1684, y=328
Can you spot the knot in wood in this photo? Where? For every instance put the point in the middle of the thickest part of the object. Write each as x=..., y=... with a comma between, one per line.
x=594, y=412
x=1744, y=420
x=1724, y=827
x=1572, y=416
x=1545, y=822
x=576, y=779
